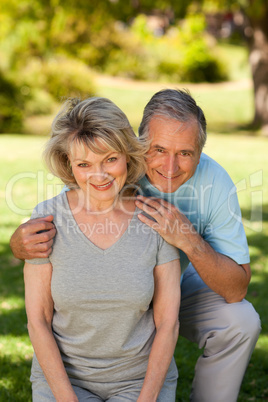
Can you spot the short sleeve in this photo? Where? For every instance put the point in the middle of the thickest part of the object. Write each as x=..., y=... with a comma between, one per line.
x=225, y=231
x=166, y=252
x=39, y=212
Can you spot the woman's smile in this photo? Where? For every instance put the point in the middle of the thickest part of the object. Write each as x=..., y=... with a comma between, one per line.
x=103, y=187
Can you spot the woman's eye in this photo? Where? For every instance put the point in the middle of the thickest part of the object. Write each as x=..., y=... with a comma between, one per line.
x=112, y=159
x=83, y=165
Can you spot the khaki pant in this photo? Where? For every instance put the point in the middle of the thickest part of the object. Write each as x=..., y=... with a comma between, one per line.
x=227, y=332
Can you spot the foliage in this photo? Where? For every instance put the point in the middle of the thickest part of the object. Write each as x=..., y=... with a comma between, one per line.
x=197, y=64
x=68, y=78
x=182, y=54
x=253, y=8
x=38, y=88
x=10, y=106
x=97, y=36
x=59, y=77
x=35, y=40
x=102, y=35
x=41, y=43
x=256, y=34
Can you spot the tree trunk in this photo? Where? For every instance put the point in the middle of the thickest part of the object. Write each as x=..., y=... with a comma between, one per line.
x=258, y=57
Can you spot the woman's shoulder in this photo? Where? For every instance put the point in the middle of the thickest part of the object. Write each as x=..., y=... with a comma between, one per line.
x=49, y=206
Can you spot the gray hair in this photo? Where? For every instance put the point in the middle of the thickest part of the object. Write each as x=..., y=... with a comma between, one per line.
x=98, y=124
x=174, y=104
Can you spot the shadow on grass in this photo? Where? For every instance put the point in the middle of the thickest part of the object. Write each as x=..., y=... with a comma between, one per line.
x=15, y=384
x=11, y=274
x=14, y=375
x=13, y=322
x=12, y=317
x=186, y=355
x=257, y=291
x=233, y=128
x=254, y=386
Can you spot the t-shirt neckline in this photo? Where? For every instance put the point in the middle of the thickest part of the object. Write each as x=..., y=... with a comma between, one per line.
x=88, y=241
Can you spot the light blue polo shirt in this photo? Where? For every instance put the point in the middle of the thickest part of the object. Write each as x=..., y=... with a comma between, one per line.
x=209, y=200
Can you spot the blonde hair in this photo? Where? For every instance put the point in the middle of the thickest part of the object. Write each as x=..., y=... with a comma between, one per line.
x=98, y=124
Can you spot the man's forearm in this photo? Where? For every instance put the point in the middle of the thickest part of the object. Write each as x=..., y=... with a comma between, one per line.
x=219, y=272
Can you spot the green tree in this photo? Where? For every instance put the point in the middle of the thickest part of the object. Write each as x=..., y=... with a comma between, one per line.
x=256, y=34
x=86, y=30
x=256, y=13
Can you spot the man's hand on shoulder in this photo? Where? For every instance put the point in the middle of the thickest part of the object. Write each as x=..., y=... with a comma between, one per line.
x=169, y=222
x=33, y=239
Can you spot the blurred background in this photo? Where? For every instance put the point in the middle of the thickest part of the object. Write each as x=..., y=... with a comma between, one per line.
x=54, y=49
x=126, y=50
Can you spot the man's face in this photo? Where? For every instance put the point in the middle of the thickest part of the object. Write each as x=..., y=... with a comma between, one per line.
x=173, y=155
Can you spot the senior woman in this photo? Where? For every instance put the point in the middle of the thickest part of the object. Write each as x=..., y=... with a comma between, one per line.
x=103, y=308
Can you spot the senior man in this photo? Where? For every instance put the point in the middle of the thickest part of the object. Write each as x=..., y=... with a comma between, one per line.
x=191, y=201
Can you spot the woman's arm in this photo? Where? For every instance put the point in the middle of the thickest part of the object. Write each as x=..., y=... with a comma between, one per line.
x=166, y=305
x=39, y=308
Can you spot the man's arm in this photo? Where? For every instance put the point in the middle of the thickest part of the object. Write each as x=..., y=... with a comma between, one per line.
x=219, y=272
x=33, y=239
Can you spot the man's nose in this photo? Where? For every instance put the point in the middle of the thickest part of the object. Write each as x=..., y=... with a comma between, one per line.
x=172, y=165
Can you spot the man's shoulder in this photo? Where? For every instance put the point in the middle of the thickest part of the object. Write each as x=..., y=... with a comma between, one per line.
x=209, y=166
x=211, y=176
x=209, y=163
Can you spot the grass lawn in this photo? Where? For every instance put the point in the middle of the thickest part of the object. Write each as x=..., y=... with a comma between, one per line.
x=23, y=183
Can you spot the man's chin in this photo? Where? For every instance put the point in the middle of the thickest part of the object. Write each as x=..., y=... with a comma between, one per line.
x=167, y=187
x=164, y=184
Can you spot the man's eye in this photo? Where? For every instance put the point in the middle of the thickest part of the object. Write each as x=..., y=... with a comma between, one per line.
x=185, y=154
x=160, y=150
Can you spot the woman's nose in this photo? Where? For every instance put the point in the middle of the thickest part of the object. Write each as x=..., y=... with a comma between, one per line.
x=99, y=174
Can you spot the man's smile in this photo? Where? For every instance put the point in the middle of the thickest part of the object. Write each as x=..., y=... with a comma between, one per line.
x=168, y=177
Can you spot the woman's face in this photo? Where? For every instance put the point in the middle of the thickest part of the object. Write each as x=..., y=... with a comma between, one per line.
x=100, y=176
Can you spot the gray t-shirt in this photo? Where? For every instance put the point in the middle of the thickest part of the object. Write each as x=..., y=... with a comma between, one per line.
x=103, y=322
